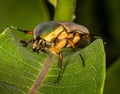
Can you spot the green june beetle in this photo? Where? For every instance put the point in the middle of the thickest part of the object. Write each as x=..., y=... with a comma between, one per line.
x=60, y=34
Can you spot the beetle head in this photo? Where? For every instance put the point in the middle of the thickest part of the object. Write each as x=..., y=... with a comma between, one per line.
x=39, y=44
x=36, y=46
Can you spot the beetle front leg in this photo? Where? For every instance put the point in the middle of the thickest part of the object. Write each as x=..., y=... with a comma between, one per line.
x=25, y=43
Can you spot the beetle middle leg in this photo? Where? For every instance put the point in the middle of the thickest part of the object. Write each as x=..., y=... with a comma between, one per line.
x=56, y=49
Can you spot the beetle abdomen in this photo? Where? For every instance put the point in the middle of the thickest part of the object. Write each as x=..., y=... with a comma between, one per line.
x=71, y=27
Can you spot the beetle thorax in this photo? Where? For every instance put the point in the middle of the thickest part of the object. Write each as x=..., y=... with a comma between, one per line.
x=51, y=36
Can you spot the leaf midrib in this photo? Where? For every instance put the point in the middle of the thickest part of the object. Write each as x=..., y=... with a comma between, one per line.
x=41, y=75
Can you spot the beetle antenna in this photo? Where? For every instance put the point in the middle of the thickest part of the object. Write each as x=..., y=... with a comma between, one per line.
x=24, y=31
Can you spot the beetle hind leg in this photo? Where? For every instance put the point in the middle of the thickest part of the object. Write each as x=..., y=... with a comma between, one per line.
x=75, y=49
x=80, y=55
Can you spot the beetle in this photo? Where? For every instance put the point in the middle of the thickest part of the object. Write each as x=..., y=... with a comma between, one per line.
x=53, y=36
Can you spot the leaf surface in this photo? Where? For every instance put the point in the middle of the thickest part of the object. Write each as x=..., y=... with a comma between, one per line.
x=20, y=68
x=113, y=79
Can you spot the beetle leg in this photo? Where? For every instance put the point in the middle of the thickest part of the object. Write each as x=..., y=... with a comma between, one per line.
x=58, y=46
x=75, y=49
x=60, y=60
x=56, y=49
x=71, y=44
x=83, y=62
x=39, y=44
x=43, y=45
x=25, y=43
x=24, y=31
x=74, y=40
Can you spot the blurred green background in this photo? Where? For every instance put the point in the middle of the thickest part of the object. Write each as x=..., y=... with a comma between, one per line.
x=102, y=17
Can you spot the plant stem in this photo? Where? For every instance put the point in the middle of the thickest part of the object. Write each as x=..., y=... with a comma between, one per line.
x=65, y=10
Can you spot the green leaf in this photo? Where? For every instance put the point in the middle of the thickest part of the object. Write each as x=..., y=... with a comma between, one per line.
x=114, y=22
x=53, y=2
x=22, y=13
x=20, y=69
x=65, y=10
x=113, y=79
